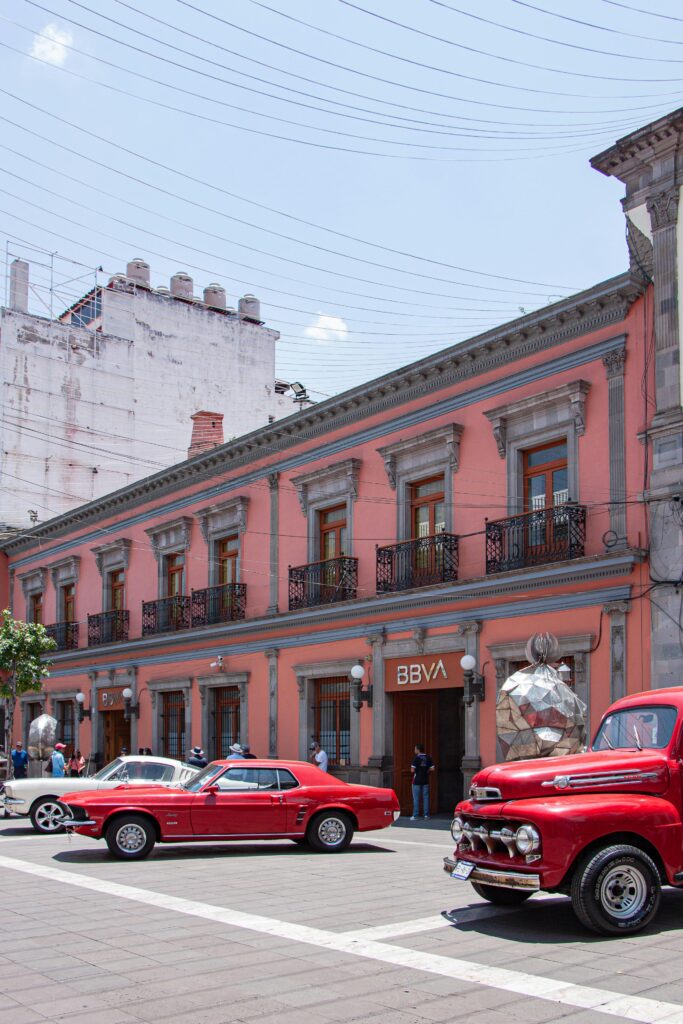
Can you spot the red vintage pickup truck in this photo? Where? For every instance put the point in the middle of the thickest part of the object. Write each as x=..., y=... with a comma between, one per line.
x=604, y=827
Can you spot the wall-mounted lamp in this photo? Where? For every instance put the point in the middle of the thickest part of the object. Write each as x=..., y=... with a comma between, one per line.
x=129, y=709
x=218, y=663
x=474, y=688
x=83, y=712
x=564, y=672
x=359, y=696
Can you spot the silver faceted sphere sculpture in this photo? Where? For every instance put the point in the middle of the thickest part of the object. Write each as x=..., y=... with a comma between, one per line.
x=538, y=715
x=42, y=736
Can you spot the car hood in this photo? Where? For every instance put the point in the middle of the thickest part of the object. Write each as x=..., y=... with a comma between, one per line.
x=644, y=771
x=125, y=793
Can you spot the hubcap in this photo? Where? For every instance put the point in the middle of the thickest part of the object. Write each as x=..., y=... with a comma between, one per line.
x=49, y=817
x=332, y=831
x=130, y=838
x=623, y=891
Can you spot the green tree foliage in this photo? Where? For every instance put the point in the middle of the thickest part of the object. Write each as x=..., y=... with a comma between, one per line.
x=23, y=666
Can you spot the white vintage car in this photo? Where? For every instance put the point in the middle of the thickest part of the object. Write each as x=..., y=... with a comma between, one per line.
x=38, y=798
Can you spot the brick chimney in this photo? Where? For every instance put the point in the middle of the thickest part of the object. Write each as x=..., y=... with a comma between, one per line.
x=207, y=432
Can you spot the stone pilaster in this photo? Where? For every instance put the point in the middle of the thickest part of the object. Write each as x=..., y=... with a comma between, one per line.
x=617, y=612
x=471, y=762
x=614, y=365
x=274, y=554
x=272, y=656
x=663, y=209
x=380, y=760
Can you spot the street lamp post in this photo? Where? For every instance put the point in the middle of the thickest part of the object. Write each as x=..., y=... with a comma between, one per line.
x=359, y=696
x=474, y=683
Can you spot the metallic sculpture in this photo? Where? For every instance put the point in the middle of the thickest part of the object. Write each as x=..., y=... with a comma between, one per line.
x=42, y=735
x=537, y=714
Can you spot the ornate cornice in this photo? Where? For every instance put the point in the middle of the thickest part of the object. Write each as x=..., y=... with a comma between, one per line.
x=641, y=147
x=172, y=535
x=346, y=472
x=447, y=437
x=573, y=395
x=115, y=555
x=230, y=514
x=603, y=305
x=65, y=571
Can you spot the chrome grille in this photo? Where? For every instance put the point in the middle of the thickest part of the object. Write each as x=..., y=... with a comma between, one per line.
x=494, y=836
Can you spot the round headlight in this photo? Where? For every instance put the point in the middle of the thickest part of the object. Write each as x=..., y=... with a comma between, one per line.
x=457, y=826
x=527, y=839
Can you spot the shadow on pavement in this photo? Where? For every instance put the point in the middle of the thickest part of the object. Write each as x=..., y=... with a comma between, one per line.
x=195, y=851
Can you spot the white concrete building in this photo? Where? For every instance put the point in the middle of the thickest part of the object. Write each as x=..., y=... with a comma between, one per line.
x=105, y=394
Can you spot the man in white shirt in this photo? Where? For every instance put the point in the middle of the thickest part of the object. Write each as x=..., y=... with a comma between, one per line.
x=318, y=756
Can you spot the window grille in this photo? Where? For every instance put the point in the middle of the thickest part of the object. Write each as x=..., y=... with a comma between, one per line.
x=333, y=719
x=226, y=720
x=173, y=723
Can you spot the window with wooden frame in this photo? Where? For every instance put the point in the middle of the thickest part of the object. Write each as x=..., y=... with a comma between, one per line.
x=117, y=590
x=546, y=476
x=427, y=507
x=173, y=724
x=226, y=720
x=333, y=532
x=227, y=555
x=64, y=713
x=35, y=608
x=333, y=718
x=175, y=575
x=67, y=600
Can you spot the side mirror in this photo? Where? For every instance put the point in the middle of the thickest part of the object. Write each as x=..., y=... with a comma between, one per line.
x=213, y=788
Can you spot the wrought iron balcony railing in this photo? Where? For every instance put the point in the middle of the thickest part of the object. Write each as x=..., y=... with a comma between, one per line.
x=422, y=562
x=166, y=615
x=335, y=579
x=546, y=535
x=108, y=627
x=219, y=604
x=65, y=635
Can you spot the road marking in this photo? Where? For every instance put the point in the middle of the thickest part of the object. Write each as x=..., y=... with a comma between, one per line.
x=361, y=837
x=615, y=1004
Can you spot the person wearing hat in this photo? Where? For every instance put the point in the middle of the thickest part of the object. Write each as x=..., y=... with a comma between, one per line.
x=19, y=760
x=57, y=761
x=318, y=756
x=246, y=753
x=196, y=758
x=235, y=753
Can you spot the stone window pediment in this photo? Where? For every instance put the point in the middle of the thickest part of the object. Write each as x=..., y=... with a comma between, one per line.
x=329, y=484
x=223, y=518
x=558, y=408
x=65, y=572
x=33, y=582
x=171, y=537
x=431, y=450
x=112, y=556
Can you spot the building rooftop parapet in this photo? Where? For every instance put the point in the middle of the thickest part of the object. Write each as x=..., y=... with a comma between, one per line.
x=585, y=312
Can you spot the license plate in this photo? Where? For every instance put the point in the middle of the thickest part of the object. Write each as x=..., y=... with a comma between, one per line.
x=463, y=869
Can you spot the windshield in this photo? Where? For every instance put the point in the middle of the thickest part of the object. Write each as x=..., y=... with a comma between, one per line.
x=636, y=728
x=194, y=784
x=108, y=769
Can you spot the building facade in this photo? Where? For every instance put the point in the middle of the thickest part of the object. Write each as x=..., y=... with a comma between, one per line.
x=105, y=394
x=493, y=490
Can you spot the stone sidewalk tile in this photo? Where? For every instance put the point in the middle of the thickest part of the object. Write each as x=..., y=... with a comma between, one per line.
x=20, y=1015
x=101, y=1017
x=159, y=1008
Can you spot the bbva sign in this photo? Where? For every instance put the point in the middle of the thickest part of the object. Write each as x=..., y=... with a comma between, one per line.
x=415, y=673
x=426, y=671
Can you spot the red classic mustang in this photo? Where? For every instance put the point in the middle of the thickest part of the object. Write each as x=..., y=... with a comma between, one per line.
x=233, y=800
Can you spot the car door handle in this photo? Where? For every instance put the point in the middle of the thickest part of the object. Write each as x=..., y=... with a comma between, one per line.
x=277, y=799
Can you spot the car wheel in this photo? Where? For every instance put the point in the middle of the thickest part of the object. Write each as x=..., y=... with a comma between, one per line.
x=131, y=837
x=616, y=890
x=501, y=897
x=46, y=816
x=330, y=832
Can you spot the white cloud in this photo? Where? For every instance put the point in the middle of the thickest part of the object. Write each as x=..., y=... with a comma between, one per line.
x=51, y=45
x=327, y=329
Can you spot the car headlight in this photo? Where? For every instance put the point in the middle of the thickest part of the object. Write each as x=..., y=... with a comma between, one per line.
x=527, y=839
x=457, y=826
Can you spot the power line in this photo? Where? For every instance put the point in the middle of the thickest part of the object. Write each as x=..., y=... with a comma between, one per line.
x=590, y=24
x=639, y=10
x=231, y=195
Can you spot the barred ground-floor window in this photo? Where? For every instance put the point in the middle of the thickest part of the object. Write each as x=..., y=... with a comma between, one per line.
x=173, y=724
x=333, y=718
x=225, y=720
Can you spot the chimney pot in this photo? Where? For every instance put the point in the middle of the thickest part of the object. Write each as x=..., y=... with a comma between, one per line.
x=207, y=432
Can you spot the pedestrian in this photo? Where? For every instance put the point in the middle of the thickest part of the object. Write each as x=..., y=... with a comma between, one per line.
x=123, y=752
x=57, y=761
x=421, y=768
x=196, y=758
x=20, y=761
x=235, y=753
x=318, y=756
x=246, y=751
x=76, y=764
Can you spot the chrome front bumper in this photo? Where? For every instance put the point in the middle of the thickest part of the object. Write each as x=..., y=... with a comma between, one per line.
x=501, y=879
x=72, y=823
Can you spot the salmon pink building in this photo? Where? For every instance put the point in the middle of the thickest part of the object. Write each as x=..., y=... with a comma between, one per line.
x=526, y=480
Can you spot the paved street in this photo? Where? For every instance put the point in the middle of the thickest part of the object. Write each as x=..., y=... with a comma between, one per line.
x=274, y=934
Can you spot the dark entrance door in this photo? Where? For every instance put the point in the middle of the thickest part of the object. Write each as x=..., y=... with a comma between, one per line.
x=432, y=717
x=116, y=734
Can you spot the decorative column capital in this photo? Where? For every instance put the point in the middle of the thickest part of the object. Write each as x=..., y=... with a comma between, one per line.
x=469, y=628
x=614, y=362
x=378, y=638
x=272, y=652
x=617, y=608
x=663, y=208
x=301, y=686
x=419, y=635
x=273, y=481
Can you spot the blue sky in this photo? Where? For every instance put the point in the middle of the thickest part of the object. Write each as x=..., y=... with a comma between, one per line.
x=486, y=181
